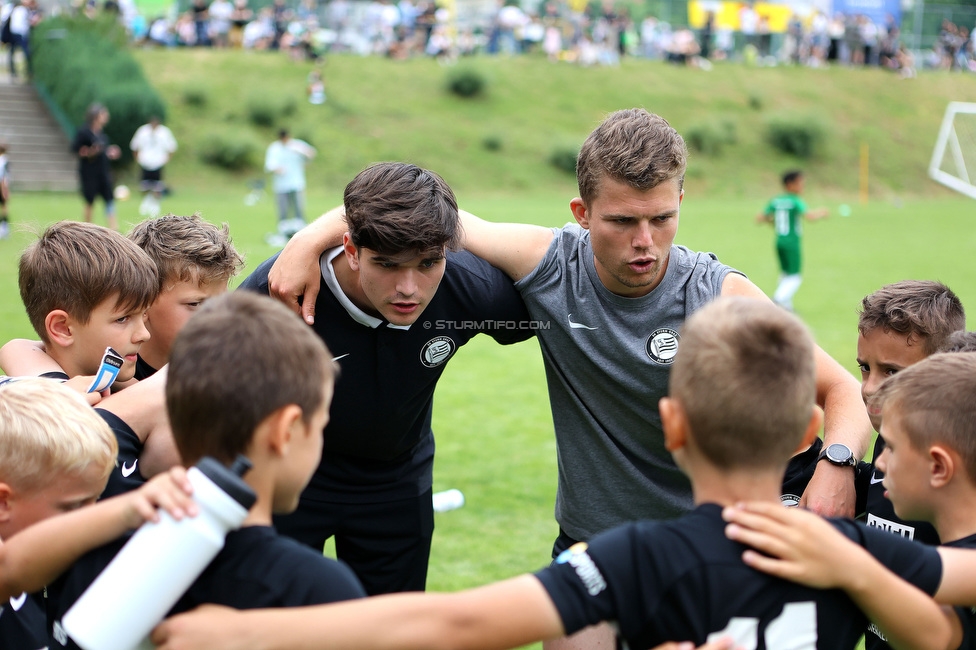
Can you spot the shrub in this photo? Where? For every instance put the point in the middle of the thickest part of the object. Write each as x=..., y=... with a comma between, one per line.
x=288, y=106
x=466, y=82
x=801, y=136
x=564, y=157
x=264, y=110
x=710, y=138
x=492, y=143
x=198, y=96
x=229, y=150
x=78, y=61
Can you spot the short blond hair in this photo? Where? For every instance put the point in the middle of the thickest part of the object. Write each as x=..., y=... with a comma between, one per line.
x=745, y=376
x=187, y=248
x=47, y=429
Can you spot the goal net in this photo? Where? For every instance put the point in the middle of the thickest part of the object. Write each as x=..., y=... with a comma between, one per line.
x=954, y=159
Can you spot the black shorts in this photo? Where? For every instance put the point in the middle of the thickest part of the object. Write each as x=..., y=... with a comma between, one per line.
x=95, y=186
x=152, y=180
x=386, y=544
x=562, y=543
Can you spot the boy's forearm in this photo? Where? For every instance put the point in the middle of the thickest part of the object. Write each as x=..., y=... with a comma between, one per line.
x=38, y=554
x=23, y=357
x=909, y=618
x=503, y=615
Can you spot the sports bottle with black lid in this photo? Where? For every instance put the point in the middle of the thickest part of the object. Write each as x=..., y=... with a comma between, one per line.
x=160, y=562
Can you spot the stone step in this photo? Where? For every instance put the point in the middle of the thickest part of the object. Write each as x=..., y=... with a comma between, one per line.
x=38, y=151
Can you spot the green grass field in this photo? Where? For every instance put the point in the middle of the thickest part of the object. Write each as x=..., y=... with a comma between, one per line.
x=492, y=421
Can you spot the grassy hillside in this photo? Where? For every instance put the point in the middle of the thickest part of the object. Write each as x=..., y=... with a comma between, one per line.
x=380, y=110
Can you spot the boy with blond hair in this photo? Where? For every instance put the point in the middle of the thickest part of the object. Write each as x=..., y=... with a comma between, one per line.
x=55, y=457
x=195, y=260
x=273, y=409
x=656, y=580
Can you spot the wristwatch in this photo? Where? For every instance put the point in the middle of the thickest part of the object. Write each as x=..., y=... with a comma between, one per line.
x=838, y=454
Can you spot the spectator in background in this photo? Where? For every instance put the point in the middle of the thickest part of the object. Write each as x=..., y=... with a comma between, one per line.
x=748, y=25
x=316, y=87
x=285, y=159
x=4, y=193
x=708, y=29
x=649, y=37
x=22, y=18
x=552, y=41
x=852, y=41
x=835, y=32
x=152, y=145
x=220, y=13
x=869, y=40
x=161, y=32
x=259, y=34
x=280, y=15
x=239, y=18
x=765, y=38
x=201, y=23
x=888, y=49
x=94, y=152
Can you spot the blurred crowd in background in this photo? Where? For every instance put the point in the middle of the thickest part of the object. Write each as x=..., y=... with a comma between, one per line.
x=599, y=33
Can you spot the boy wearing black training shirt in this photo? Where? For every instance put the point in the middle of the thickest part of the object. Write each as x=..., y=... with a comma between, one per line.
x=272, y=410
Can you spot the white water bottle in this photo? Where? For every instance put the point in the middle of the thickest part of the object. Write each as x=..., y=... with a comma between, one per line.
x=156, y=567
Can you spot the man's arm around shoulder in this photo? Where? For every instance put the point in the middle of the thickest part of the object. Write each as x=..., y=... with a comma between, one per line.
x=515, y=248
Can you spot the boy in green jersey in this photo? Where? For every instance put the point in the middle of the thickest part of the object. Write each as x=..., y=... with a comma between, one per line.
x=786, y=212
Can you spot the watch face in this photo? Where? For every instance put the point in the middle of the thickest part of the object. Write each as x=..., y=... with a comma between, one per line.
x=838, y=453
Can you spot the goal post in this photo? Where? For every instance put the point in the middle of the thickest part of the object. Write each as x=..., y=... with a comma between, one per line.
x=954, y=158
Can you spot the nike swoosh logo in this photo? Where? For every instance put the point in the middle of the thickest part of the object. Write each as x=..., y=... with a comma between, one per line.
x=578, y=326
x=875, y=479
x=18, y=602
x=127, y=471
x=341, y=356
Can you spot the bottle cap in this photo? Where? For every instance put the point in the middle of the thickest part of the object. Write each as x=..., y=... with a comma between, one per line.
x=229, y=479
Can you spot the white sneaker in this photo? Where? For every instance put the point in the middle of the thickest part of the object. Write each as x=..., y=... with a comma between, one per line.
x=4, y=230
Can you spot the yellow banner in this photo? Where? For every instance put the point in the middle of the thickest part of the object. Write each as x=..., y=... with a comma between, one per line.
x=727, y=14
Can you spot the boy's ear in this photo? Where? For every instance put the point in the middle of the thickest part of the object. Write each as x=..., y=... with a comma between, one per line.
x=282, y=425
x=674, y=422
x=813, y=428
x=352, y=253
x=942, y=466
x=58, y=326
x=6, y=493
